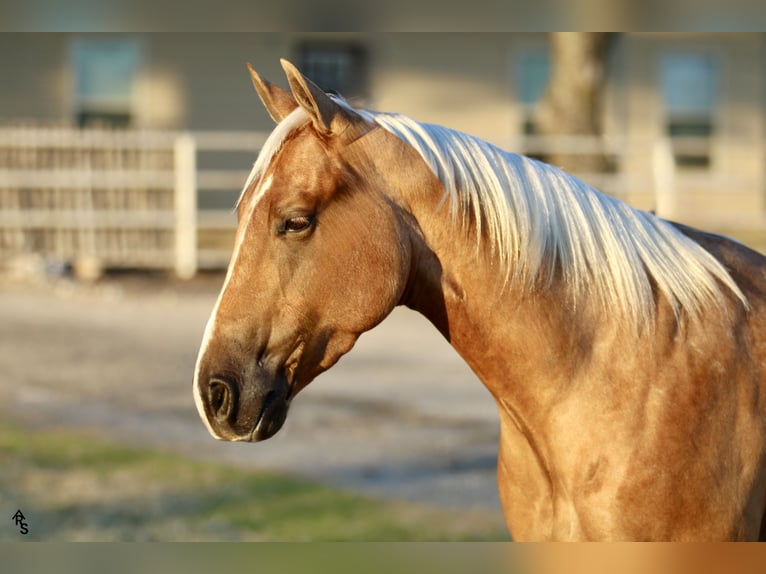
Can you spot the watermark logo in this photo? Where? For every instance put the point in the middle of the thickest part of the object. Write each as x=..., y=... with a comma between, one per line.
x=20, y=520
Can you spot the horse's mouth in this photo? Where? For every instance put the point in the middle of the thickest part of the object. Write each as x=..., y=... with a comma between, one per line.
x=276, y=404
x=271, y=418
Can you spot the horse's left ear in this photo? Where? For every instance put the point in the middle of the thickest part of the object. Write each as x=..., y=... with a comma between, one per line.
x=321, y=107
x=279, y=103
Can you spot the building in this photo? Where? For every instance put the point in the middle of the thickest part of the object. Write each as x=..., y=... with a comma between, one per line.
x=696, y=98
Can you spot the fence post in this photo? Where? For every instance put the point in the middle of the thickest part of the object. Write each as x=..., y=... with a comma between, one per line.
x=663, y=167
x=185, y=206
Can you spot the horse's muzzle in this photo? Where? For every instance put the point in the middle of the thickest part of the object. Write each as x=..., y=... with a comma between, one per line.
x=243, y=411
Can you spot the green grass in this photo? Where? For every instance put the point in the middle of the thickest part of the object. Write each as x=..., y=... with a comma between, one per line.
x=73, y=487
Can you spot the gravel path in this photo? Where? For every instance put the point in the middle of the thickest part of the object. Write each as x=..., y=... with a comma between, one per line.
x=400, y=416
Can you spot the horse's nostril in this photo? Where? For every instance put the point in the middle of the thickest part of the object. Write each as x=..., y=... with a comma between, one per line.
x=222, y=398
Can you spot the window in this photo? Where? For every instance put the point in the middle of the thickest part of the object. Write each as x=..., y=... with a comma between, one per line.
x=533, y=69
x=336, y=68
x=105, y=72
x=688, y=86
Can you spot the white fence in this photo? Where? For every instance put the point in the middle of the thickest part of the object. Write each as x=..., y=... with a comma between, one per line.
x=128, y=199
x=117, y=198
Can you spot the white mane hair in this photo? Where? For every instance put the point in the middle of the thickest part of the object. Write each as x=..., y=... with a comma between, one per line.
x=540, y=221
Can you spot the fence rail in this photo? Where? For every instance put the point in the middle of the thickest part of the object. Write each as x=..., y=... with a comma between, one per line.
x=130, y=198
x=120, y=198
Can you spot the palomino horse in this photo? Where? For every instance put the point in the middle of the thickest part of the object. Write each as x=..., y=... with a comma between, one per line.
x=624, y=352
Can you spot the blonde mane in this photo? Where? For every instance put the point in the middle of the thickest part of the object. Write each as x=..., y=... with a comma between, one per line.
x=540, y=221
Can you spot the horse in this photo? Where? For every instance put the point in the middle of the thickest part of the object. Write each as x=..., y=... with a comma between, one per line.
x=624, y=352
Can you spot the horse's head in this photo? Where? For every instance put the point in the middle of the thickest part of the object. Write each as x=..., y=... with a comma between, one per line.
x=321, y=255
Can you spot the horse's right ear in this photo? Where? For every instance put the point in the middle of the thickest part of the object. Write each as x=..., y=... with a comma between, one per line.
x=322, y=110
x=279, y=103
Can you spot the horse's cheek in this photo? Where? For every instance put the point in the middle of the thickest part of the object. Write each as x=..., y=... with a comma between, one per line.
x=365, y=289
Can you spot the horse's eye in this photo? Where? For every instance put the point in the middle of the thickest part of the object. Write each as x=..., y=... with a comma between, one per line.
x=297, y=223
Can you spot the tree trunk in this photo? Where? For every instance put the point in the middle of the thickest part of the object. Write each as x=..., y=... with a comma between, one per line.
x=571, y=104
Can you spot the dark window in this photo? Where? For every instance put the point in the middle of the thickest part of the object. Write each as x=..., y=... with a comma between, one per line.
x=336, y=68
x=105, y=72
x=533, y=68
x=688, y=85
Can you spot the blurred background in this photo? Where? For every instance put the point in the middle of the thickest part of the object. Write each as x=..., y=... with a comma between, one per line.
x=121, y=157
x=155, y=133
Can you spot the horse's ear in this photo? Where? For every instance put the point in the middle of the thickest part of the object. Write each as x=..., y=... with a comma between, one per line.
x=279, y=103
x=321, y=108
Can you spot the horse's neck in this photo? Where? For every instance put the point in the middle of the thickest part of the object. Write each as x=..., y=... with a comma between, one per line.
x=514, y=342
x=518, y=344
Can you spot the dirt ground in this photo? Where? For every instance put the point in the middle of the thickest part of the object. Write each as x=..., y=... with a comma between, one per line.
x=400, y=416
